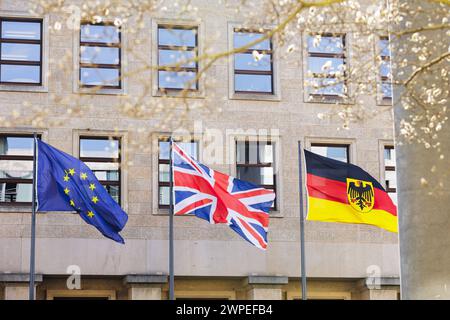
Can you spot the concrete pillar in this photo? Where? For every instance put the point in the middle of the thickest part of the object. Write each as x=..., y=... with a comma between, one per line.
x=145, y=287
x=16, y=286
x=424, y=217
x=265, y=287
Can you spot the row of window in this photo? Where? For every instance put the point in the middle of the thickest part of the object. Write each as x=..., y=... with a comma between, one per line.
x=255, y=162
x=100, y=59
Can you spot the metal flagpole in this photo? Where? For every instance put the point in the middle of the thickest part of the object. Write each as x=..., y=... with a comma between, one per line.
x=302, y=223
x=171, y=268
x=33, y=222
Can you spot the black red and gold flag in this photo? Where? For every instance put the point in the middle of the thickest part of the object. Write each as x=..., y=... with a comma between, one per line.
x=343, y=192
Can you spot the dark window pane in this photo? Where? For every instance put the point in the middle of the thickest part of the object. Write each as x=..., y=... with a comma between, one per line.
x=99, y=33
x=256, y=83
x=99, y=55
x=20, y=73
x=385, y=69
x=114, y=192
x=15, y=192
x=334, y=152
x=177, y=80
x=325, y=44
x=386, y=88
x=22, y=146
x=21, y=30
x=256, y=175
x=174, y=57
x=99, y=148
x=177, y=37
x=244, y=38
x=21, y=52
x=100, y=76
x=16, y=169
x=246, y=61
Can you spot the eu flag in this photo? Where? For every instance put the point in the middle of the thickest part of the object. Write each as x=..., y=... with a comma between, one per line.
x=65, y=183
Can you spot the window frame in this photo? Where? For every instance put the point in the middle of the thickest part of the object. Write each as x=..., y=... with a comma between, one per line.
x=117, y=45
x=273, y=186
x=17, y=158
x=253, y=72
x=336, y=145
x=327, y=98
x=384, y=79
x=167, y=162
x=118, y=160
x=40, y=42
x=177, y=48
x=388, y=168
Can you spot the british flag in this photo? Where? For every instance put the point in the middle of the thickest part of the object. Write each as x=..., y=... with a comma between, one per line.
x=219, y=198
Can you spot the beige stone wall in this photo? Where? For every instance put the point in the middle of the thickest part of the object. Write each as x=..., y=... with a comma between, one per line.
x=63, y=239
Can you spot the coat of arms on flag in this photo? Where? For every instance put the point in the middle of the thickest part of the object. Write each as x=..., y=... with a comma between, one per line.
x=219, y=198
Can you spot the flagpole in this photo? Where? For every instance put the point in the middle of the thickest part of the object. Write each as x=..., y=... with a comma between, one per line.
x=171, y=256
x=33, y=223
x=302, y=223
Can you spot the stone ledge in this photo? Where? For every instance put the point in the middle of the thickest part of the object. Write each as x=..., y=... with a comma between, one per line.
x=144, y=279
x=267, y=280
x=372, y=283
x=19, y=277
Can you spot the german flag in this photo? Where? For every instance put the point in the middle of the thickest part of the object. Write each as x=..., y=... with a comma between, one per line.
x=343, y=192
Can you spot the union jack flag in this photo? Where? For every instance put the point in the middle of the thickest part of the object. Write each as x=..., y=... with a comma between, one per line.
x=219, y=198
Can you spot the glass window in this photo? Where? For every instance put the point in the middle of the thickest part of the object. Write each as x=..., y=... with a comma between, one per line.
x=177, y=46
x=16, y=169
x=333, y=151
x=255, y=163
x=385, y=68
x=164, y=167
x=326, y=66
x=21, y=51
x=389, y=172
x=253, y=69
x=100, y=56
x=102, y=156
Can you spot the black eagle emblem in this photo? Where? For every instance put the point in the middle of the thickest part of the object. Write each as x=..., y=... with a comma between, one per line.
x=360, y=193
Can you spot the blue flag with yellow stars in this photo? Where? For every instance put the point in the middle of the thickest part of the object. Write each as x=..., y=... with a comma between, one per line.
x=65, y=183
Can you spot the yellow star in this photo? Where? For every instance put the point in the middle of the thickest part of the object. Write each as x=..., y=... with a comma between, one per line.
x=92, y=186
x=94, y=199
x=71, y=172
x=66, y=190
x=66, y=178
x=90, y=214
x=72, y=203
x=83, y=176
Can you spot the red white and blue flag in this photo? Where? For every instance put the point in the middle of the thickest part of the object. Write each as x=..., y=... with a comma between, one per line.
x=219, y=198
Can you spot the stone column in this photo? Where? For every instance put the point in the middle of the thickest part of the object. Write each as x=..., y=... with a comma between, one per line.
x=145, y=287
x=423, y=175
x=16, y=286
x=378, y=289
x=265, y=287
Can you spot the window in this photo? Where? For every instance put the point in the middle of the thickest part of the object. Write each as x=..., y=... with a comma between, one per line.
x=255, y=162
x=385, y=69
x=326, y=66
x=338, y=152
x=21, y=51
x=100, y=55
x=176, y=46
x=389, y=172
x=164, y=167
x=253, y=69
x=16, y=169
x=102, y=156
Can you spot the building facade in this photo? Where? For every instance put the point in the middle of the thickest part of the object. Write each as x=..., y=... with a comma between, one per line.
x=261, y=110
